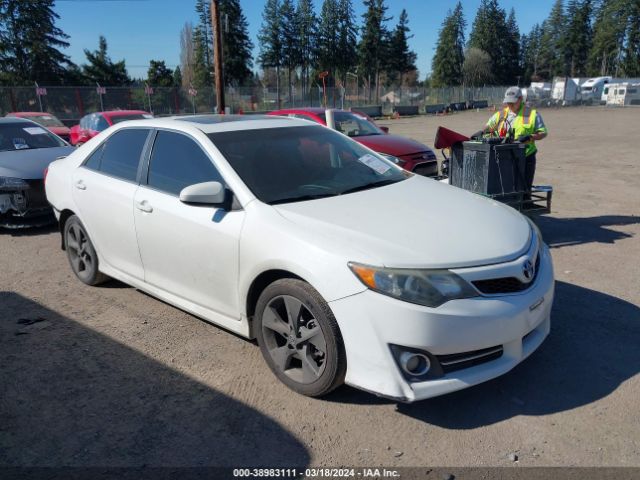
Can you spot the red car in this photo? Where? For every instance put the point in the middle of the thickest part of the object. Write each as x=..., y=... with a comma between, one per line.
x=409, y=154
x=48, y=121
x=92, y=124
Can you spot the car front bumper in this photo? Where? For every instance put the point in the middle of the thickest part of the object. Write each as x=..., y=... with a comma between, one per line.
x=371, y=323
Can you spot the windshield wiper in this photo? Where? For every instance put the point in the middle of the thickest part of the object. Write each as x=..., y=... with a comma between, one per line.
x=302, y=198
x=368, y=186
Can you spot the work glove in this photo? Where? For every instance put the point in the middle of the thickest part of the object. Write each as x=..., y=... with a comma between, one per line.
x=524, y=138
x=478, y=134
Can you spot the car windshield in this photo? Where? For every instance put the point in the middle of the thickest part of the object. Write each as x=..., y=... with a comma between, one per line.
x=353, y=125
x=133, y=116
x=23, y=136
x=291, y=164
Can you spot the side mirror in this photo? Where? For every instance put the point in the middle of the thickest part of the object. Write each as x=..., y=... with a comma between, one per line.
x=384, y=129
x=206, y=193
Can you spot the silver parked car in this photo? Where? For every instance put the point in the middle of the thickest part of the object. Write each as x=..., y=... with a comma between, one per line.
x=26, y=150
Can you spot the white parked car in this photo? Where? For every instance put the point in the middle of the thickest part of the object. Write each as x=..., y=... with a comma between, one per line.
x=343, y=266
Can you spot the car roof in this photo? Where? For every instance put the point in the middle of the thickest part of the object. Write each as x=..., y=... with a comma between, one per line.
x=30, y=114
x=16, y=120
x=117, y=113
x=218, y=123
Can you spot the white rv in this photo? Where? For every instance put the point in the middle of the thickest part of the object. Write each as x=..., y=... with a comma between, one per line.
x=604, y=99
x=591, y=91
x=623, y=94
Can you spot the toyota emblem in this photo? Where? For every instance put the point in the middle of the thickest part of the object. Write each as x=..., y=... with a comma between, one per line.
x=528, y=270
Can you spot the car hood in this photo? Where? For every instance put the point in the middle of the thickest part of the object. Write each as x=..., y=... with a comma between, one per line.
x=392, y=144
x=30, y=164
x=415, y=223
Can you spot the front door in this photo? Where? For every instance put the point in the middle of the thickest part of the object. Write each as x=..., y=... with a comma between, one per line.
x=187, y=250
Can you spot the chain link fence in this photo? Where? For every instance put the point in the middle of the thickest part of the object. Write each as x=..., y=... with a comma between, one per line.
x=71, y=103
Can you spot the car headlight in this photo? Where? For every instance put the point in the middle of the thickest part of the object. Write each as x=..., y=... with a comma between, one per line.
x=10, y=184
x=392, y=158
x=430, y=288
x=536, y=231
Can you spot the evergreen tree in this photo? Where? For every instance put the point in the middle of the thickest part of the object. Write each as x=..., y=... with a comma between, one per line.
x=491, y=34
x=530, y=51
x=328, y=36
x=236, y=44
x=577, y=41
x=552, y=59
x=30, y=43
x=205, y=33
x=511, y=50
x=202, y=69
x=102, y=70
x=290, y=40
x=347, y=54
x=372, y=49
x=177, y=77
x=270, y=38
x=159, y=75
x=401, y=58
x=631, y=60
x=307, y=47
x=449, y=56
x=612, y=18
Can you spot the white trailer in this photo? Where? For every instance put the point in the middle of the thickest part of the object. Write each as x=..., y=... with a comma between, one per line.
x=565, y=90
x=623, y=94
x=604, y=98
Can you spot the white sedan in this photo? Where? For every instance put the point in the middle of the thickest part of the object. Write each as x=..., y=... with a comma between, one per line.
x=344, y=267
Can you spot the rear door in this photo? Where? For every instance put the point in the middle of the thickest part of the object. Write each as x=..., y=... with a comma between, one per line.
x=104, y=188
x=187, y=250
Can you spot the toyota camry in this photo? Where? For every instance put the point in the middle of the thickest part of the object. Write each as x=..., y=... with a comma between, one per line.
x=344, y=267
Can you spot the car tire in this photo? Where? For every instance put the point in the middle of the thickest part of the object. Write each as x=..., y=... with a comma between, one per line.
x=299, y=338
x=81, y=253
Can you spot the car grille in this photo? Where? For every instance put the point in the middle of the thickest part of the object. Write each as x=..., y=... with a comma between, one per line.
x=496, y=286
x=36, y=196
x=459, y=361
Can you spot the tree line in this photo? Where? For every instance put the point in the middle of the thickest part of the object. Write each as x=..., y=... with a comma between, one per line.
x=579, y=38
x=297, y=44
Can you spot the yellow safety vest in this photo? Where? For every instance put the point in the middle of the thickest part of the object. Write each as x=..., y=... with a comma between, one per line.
x=524, y=124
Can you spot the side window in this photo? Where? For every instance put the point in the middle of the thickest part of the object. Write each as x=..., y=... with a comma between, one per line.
x=101, y=123
x=122, y=152
x=93, y=162
x=177, y=162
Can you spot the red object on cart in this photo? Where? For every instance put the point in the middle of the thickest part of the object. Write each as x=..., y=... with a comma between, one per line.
x=446, y=138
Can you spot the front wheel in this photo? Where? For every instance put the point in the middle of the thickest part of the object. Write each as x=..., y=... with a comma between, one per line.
x=81, y=253
x=299, y=338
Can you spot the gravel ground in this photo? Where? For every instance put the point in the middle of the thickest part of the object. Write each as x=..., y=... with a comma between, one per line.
x=109, y=376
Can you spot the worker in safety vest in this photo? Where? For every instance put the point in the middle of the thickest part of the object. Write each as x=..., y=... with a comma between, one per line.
x=522, y=123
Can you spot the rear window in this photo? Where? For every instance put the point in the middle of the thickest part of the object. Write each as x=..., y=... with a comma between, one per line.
x=47, y=121
x=120, y=155
x=133, y=116
x=25, y=136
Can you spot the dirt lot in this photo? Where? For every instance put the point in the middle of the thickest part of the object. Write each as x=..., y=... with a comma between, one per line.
x=112, y=377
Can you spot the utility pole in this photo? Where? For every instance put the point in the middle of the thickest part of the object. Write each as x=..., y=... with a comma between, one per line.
x=217, y=55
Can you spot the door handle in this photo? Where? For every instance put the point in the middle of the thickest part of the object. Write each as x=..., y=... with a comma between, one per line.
x=80, y=185
x=144, y=206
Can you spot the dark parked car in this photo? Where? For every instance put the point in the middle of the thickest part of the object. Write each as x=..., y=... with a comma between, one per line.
x=26, y=150
x=48, y=121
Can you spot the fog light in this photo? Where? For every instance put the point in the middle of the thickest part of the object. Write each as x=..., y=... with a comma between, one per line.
x=415, y=364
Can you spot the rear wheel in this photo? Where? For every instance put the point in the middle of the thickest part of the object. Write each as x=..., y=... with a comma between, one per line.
x=299, y=338
x=81, y=253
